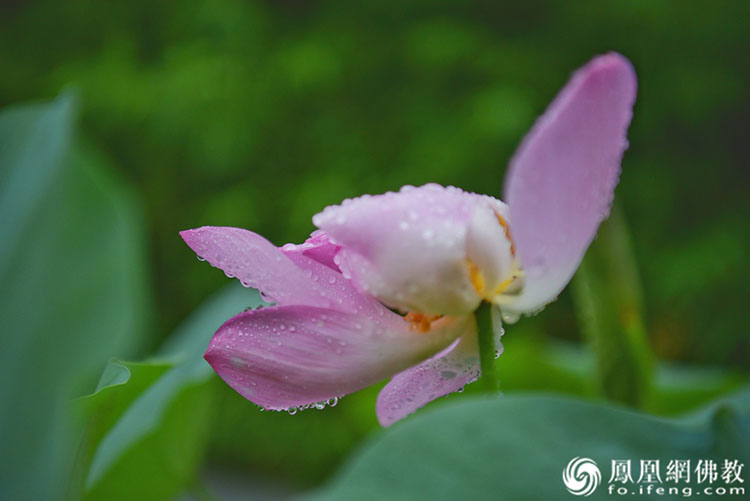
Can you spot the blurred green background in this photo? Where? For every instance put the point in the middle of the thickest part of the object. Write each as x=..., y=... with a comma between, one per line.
x=259, y=114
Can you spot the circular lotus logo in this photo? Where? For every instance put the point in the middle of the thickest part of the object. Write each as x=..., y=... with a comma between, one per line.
x=581, y=476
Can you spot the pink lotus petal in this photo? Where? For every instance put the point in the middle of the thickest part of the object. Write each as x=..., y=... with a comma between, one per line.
x=288, y=276
x=289, y=356
x=318, y=247
x=446, y=372
x=408, y=248
x=256, y=262
x=341, y=293
x=561, y=181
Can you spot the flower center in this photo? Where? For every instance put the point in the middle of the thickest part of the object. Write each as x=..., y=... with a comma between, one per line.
x=510, y=285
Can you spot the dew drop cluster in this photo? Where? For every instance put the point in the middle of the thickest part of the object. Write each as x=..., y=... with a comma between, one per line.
x=331, y=402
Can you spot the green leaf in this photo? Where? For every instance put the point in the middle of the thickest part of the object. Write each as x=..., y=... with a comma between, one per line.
x=73, y=289
x=148, y=421
x=121, y=383
x=34, y=141
x=517, y=447
x=609, y=301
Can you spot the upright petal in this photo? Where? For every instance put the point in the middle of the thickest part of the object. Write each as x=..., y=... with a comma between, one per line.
x=446, y=372
x=561, y=182
x=408, y=248
x=256, y=262
x=290, y=356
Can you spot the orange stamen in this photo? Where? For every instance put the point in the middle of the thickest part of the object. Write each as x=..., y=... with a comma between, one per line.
x=506, y=229
x=419, y=321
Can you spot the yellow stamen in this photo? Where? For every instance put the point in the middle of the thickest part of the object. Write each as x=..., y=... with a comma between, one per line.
x=507, y=282
x=477, y=280
x=475, y=274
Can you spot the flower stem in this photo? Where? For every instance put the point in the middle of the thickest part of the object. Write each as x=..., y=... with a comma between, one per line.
x=486, y=338
x=609, y=300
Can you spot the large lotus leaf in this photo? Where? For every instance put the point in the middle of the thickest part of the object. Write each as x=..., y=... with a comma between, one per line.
x=517, y=447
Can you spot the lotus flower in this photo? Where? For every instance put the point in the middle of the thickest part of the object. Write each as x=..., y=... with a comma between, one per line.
x=388, y=285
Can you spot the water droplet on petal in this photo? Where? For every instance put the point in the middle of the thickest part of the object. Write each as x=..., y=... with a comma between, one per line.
x=510, y=317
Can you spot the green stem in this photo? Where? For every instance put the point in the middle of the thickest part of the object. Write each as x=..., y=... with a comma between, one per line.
x=609, y=301
x=486, y=341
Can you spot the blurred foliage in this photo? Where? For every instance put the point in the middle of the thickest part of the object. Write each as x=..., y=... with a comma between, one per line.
x=74, y=288
x=258, y=114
